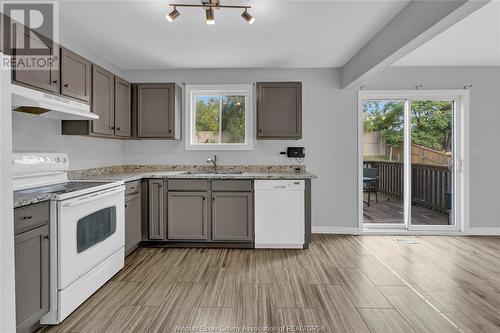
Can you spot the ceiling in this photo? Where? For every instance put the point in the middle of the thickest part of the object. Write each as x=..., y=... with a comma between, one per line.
x=135, y=34
x=474, y=41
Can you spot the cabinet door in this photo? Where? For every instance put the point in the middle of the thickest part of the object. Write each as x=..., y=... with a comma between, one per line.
x=123, y=121
x=279, y=110
x=157, y=223
x=75, y=75
x=156, y=110
x=46, y=79
x=132, y=222
x=32, y=276
x=232, y=216
x=103, y=100
x=187, y=216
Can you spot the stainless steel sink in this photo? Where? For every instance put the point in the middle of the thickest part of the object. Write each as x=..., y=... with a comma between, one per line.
x=212, y=173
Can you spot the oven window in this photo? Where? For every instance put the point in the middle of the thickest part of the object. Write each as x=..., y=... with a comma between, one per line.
x=95, y=228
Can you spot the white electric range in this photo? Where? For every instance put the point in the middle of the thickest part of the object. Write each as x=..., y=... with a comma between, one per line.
x=87, y=228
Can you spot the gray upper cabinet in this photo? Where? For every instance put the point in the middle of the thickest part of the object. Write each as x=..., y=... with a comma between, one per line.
x=75, y=75
x=232, y=216
x=31, y=264
x=158, y=110
x=157, y=209
x=45, y=79
x=123, y=121
x=187, y=216
x=111, y=100
x=279, y=110
x=103, y=100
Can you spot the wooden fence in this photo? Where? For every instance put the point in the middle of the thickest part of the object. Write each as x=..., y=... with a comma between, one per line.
x=430, y=185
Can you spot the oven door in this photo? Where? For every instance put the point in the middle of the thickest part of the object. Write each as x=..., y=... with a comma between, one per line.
x=90, y=229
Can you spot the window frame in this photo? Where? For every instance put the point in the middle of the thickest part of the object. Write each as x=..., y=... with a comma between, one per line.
x=192, y=91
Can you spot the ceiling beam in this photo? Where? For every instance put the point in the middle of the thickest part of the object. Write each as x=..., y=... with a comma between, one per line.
x=415, y=24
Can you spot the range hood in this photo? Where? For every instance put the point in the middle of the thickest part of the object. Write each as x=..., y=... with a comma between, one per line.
x=47, y=105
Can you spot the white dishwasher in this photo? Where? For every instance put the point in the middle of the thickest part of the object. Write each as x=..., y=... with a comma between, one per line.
x=279, y=214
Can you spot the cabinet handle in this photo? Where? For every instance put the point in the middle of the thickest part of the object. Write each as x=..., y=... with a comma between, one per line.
x=204, y=198
x=27, y=217
x=46, y=237
x=112, y=127
x=66, y=85
x=118, y=128
x=54, y=81
x=169, y=131
x=213, y=198
x=260, y=131
x=126, y=205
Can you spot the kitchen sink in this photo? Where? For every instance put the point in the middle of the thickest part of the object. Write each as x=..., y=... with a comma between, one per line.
x=212, y=173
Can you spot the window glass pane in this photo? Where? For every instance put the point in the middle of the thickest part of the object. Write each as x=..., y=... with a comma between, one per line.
x=431, y=162
x=233, y=119
x=95, y=228
x=207, y=119
x=383, y=156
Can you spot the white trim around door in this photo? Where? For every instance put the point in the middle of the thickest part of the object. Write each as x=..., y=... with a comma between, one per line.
x=461, y=99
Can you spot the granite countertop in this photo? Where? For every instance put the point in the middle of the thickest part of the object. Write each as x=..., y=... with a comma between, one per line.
x=131, y=176
x=24, y=199
x=133, y=173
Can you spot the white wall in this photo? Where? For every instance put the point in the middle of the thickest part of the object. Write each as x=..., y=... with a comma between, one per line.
x=329, y=135
x=329, y=132
x=484, y=120
x=35, y=133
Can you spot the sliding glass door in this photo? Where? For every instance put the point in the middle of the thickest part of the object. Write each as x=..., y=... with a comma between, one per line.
x=412, y=151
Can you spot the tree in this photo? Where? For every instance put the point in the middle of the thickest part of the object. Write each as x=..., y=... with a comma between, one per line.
x=232, y=118
x=431, y=122
x=207, y=113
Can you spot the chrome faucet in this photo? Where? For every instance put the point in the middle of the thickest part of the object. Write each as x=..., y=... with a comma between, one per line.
x=213, y=160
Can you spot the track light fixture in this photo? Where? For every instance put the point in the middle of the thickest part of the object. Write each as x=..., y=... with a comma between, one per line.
x=210, y=16
x=209, y=6
x=172, y=15
x=248, y=17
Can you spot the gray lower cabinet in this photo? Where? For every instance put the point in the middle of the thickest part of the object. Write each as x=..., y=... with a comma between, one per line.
x=31, y=264
x=279, y=110
x=157, y=210
x=132, y=216
x=187, y=216
x=232, y=216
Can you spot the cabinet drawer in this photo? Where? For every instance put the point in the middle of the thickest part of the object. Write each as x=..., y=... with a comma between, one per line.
x=187, y=185
x=132, y=187
x=29, y=217
x=232, y=185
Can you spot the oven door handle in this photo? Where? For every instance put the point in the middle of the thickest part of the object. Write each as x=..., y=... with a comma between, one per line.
x=93, y=196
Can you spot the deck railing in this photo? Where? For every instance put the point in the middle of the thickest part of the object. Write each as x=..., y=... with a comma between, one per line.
x=430, y=185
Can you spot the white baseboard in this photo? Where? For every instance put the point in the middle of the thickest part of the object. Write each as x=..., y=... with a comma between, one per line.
x=334, y=230
x=482, y=232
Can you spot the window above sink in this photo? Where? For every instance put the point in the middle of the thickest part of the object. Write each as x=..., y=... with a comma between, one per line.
x=219, y=117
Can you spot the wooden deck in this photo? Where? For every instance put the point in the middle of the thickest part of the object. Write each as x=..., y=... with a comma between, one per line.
x=390, y=210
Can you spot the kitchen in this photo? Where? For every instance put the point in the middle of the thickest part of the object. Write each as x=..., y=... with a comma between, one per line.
x=173, y=190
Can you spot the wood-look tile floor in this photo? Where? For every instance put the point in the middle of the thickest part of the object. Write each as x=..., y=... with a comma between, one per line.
x=337, y=285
